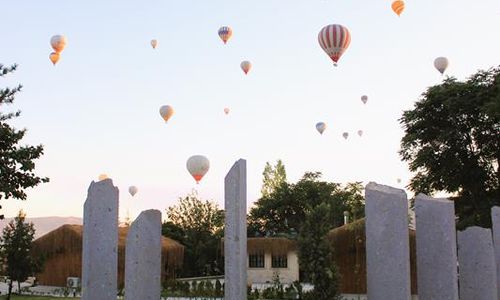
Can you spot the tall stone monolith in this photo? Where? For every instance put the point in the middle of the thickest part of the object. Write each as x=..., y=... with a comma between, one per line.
x=387, y=243
x=436, y=248
x=100, y=242
x=495, y=219
x=143, y=257
x=476, y=262
x=235, y=232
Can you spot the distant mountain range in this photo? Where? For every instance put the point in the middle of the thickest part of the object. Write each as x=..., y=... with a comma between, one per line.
x=45, y=225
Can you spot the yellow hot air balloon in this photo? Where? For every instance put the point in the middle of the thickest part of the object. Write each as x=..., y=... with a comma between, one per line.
x=166, y=112
x=226, y=110
x=103, y=177
x=246, y=66
x=198, y=166
x=58, y=43
x=398, y=6
x=154, y=43
x=54, y=57
x=133, y=190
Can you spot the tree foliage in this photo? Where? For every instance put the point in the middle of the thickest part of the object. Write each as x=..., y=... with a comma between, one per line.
x=273, y=177
x=452, y=144
x=16, y=161
x=16, y=250
x=286, y=207
x=198, y=225
x=315, y=254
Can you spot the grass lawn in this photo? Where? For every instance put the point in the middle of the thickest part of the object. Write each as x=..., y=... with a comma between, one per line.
x=16, y=297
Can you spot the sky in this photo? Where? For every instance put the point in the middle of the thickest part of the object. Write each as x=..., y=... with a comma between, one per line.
x=96, y=111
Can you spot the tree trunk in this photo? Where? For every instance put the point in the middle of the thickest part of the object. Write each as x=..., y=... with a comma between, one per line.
x=19, y=287
x=10, y=289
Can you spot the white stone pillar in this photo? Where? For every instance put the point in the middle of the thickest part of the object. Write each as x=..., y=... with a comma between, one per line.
x=495, y=219
x=143, y=257
x=477, y=267
x=436, y=248
x=235, y=232
x=387, y=243
x=100, y=242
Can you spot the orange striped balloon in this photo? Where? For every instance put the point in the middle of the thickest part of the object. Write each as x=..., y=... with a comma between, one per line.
x=334, y=39
x=398, y=6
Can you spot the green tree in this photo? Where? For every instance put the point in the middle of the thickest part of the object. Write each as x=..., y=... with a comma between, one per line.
x=16, y=251
x=198, y=225
x=452, y=144
x=16, y=162
x=315, y=254
x=273, y=177
x=286, y=208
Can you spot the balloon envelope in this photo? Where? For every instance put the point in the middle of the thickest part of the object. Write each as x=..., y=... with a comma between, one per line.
x=246, y=66
x=197, y=166
x=54, y=57
x=345, y=135
x=154, y=43
x=58, y=43
x=225, y=33
x=334, y=39
x=360, y=132
x=133, y=190
x=441, y=64
x=398, y=6
x=166, y=112
x=364, y=98
x=320, y=127
x=226, y=110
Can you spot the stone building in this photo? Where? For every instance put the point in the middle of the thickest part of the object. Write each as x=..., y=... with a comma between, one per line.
x=269, y=257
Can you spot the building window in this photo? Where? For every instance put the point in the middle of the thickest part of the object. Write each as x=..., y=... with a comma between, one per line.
x=279, y=261
x=256, y=260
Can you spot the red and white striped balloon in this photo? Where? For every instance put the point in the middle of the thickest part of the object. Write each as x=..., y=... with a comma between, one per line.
x=334, y=39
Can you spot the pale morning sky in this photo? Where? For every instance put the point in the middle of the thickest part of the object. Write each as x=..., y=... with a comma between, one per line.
x=97, y=110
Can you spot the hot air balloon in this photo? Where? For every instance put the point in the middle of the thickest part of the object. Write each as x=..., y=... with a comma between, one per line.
x=364, y=98
x=54, y=57
x=320, y=127
x=226, y=110
x=225, y=33
x=166, y=111
x=360, y=132
x=198, y=166
x=398, y=6
x=133, y=190
x=102, y=177
x=399, y=180
x=246, y=66
x=58, y=43
x=334, y=39
x=441, y=63
x=345, y=135
x=154, y=43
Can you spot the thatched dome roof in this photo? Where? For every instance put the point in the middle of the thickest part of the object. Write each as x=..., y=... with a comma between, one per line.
x=62, y=250
x=348, y=244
